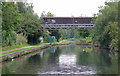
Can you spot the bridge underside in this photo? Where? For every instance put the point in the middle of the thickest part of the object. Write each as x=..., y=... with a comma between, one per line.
x=68, y=26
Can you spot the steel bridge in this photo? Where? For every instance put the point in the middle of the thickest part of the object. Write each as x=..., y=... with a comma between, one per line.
x=54, y=23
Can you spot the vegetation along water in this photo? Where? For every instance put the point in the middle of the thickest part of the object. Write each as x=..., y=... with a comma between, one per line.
x=88, y=51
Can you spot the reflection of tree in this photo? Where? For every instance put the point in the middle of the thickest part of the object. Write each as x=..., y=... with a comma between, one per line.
x=105, y=60
x=72, y=47
x=107, y=75
x=101, y=60
x=107, y=64
x=35, y=63
x=34, y=59
x=31, y=64
x=104, y=63
x=54, y=56
x=7, y=70
x=53, y=59
x=13, y=67
x=68, y=49
x=88, y=49
x=82, y=58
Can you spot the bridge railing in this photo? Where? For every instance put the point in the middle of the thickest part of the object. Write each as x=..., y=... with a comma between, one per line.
x=68, y=26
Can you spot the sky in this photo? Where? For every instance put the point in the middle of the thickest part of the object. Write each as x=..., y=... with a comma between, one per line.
x=68, y=8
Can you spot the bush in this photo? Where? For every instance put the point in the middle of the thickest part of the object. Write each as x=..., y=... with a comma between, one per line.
x=88, y=38
x=21, y=39
x=80, y=41
x=9, y=38
x=88, y=41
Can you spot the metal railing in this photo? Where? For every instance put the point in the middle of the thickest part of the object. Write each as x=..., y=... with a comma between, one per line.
x=69, y=26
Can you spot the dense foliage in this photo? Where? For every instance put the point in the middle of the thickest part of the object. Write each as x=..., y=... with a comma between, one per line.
x=30, y=25
x=68, y=34
x=83, y=33
x=10, y=20
x=19, y=19
x=55, y=33
x=106, y=26
x=0, y=25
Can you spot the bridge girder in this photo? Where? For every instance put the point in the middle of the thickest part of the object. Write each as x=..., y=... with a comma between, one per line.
x=68, y=26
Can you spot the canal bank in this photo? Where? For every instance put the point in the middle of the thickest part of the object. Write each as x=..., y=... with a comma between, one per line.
x=18, y=53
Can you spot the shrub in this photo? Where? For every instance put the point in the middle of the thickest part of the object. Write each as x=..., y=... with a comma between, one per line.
x=88, y=38
x=80, y=41
x=21, y=39
x=9, y=38
x=88, y=41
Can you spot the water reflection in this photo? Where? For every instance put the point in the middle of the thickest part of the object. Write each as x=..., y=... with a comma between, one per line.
x=107, y=63
x=82, y=58
x=65, y=60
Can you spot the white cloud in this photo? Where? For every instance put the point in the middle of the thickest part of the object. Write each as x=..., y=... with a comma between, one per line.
x=68, y=7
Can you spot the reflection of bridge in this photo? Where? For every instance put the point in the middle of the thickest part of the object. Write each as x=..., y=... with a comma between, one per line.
x=54, y=23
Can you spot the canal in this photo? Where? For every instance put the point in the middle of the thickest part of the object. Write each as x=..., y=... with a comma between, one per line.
x=70, y=59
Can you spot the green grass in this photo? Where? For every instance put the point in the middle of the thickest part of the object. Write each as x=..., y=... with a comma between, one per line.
x=39, y=45
x=14, y=47
x=64, y=42
x=23, y=49
x=14, y=51
x=34, y=46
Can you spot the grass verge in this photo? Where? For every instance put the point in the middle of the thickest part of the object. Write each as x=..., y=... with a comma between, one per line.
x=34, y=46
x=23, y=49
x=14, y=47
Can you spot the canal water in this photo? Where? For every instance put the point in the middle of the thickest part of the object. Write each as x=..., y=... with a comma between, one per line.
x=70, y=59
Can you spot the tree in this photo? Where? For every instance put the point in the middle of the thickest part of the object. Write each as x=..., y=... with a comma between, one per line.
x=0, y=25
x=10, y=17
x=56, y=33
x=48, y=14
x=113, y=32
x=107, y=14
x=21, y=7
x=10, y=20
x=83, y=33
x=67, y=34
x=30, y=25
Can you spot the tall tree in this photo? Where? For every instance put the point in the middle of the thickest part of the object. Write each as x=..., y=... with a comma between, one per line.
x=30, y=25
x=0, y=24
x=108, y=13
x=10, y=20
x=10, y=17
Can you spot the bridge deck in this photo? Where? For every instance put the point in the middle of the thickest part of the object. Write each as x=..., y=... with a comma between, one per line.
x=68, y=26
x=54, y=23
